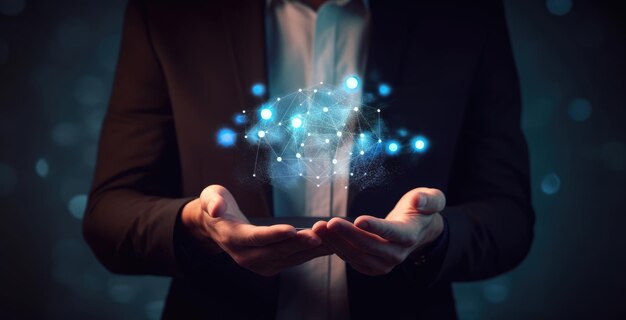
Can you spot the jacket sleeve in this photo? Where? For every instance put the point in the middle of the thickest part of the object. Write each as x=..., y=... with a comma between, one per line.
x=490, y=217
x=135, y=198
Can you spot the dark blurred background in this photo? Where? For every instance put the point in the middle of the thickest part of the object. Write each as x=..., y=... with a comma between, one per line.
x=57, y=60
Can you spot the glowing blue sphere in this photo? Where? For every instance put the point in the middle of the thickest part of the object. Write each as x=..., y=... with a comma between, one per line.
x=240, y=119
x=384, y=89
x=226, y=137
x=296, y=122
x=258, y=89
x=393, y=148
x=420, y=144
x=352, y=82
x=266, y=114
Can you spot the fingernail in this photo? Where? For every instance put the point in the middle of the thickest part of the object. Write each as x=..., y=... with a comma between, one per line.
x=210, y=208
x=363, y=225
x=423, y=200
x=314, y=241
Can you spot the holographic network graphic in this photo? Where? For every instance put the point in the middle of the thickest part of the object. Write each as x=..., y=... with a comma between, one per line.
x=323, y=134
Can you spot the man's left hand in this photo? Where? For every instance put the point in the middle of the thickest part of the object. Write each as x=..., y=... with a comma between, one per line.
x=374, y=246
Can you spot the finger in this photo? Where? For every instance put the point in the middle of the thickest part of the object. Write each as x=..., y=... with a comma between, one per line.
x=302, y=241
x=220, y=203
x=392, y=231
x=345, y=250
x=366, y=241
x=247, y=235
x=425, y=200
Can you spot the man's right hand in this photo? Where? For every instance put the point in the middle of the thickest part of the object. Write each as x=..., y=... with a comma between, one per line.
x=215, y=221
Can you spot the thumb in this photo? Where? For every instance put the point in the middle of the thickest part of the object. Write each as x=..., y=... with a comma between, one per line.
x=385, y=229
x=216, y=208
x=213, y=201
x=425, y=200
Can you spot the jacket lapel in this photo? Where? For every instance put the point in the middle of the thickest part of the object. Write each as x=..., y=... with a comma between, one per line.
x=244, y=22
x=388, y=23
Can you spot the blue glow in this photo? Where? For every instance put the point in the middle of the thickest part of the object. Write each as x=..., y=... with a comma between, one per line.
x=559, y=7
x=258, y=89
x=420, y=144
x=384, y=89
x=41, y=167
x=240, y=119
x=393, y=148
x=77, y=205
x=266, y=114
x=352, y=82
x=226, y=137
x=550, y=184
x=579, y=109
x=296, y=122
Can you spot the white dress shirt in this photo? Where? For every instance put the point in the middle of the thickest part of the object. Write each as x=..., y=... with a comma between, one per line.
x=304, y=48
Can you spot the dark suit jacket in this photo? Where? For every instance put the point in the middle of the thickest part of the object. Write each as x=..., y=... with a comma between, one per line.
x=186, y=67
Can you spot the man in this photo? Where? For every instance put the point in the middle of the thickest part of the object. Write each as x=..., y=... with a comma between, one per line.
x=185, y=68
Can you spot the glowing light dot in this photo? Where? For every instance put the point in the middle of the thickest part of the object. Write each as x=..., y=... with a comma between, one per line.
x=393, y=147
x=356, y=109
x=325, y=109
x=362, y=152
x=329, y=93
x=318, y=185
x=266, y=114
x=246, y=136
x=296, y=122
x=362, y=135
x=335, y=162
x=352, y=82
x=327, y=141
x=346, y=187
x=310, y=160
x=226, y=137
x=301, y=174
x=302, y=144
x=254, y=174
x=315, y=90
x=299, y=90
x=379, y=141
x=420, y=144
x=261, y=133
x=339, y=133
x=298, y=155
x=378, y=110
x=384, y=89
x=278, y=99
x=351, y=174
x=258, y=89
x=317, y=177
x=244, y=111
x=279, y=159
x=321, y=82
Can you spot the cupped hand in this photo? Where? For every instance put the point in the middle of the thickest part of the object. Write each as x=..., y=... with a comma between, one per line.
x=216, y=221
x=374, y=246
